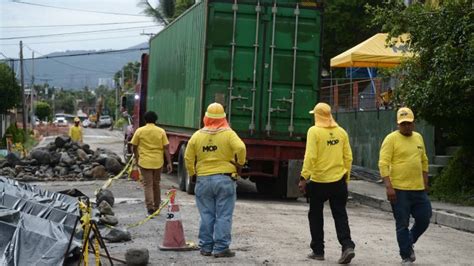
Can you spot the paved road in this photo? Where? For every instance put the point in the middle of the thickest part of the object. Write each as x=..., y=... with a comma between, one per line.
x=268, y=231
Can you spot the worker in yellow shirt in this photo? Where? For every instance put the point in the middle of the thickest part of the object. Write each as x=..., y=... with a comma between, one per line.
x=150, y=145
x=214, y=157
x=404, y=167
x=325, y=174
x=75, y=131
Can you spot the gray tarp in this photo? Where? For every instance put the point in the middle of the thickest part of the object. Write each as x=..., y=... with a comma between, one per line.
x=35, y=224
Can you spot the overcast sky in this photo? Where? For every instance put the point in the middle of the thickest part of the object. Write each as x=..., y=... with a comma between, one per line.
x=22, y=20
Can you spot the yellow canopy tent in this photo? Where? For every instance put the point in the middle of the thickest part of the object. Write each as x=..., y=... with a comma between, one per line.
x=373, y=52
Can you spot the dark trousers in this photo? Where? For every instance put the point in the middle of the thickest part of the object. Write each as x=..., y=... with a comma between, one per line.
x=416, y=204
x=336, y=193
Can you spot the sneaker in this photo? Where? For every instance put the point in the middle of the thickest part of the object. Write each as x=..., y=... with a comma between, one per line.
x=315, y=256
x=205, y=253
x=412, y=255
x=407, y=261
x=225, y=254
x=347, y=255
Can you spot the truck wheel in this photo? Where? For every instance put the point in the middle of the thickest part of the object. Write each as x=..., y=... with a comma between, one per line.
x=264, y=186
x=185, y=183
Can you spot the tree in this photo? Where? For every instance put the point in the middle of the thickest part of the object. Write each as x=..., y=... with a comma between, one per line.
x=130, y=72
x=167, y=10
x=345, y=25
x=65, y=101
x=43, y=111
x=9, y=89
x=438, y=82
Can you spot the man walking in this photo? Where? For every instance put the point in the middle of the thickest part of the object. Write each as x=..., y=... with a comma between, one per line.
x=75, y=131
x=215, y=154
x=327, y=167
x=149, y=143
x=404, y=167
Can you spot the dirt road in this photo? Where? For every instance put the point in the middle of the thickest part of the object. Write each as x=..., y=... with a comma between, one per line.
x=271, y=231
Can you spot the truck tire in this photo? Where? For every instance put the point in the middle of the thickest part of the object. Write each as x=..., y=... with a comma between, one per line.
x=185, y=183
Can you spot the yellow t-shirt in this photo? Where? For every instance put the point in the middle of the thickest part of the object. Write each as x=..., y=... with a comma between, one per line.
x=404, y=160
x=328, y=155
x=209, y=153
x=75, y=133
x=151, y=141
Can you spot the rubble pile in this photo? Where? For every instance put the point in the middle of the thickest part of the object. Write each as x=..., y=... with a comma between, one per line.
x=62, y=159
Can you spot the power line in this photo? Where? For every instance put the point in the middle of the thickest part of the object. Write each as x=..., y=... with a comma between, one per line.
x=80, y=10
x=73, y=25
x=80, y=40
x=88, y=53
x=70, y=33
x=73, y=66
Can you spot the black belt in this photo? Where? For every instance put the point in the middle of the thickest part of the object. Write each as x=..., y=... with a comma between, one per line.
x=227, y=174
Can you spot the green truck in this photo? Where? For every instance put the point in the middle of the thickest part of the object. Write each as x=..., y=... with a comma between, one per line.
x=261, y=60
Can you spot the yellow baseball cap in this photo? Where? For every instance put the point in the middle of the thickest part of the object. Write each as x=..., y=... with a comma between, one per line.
x=404, y=114
x=323, y=116
x=215, y=110
x=76, y=119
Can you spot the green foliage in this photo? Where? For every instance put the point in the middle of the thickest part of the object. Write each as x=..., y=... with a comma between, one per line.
x=130, y=73
x=155, y=13
x=120, y=123
x=43, y=111
x=9, y=89
x=345, y=25
x=456, y=181
x=65, y=101
x=167, y=10
x=438, y=82
x=109, y=99
x=18, y=135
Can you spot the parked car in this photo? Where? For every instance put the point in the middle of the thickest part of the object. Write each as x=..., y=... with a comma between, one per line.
x=104, y=121
x=60, y=122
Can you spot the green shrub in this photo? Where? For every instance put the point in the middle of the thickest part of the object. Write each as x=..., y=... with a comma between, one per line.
x=120, y=123
x=456, y=182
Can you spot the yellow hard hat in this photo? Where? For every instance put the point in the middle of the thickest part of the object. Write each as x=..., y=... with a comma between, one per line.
x=76, y=119
x=215, y=110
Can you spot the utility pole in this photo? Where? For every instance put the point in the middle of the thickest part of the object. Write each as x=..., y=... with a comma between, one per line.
x=32, y=91
x=22, y=80
x=117, y=104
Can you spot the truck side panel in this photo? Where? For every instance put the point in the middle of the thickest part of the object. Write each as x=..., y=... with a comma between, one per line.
x=175, y=70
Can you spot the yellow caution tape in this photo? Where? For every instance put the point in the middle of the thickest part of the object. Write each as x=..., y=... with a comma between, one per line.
x=86, y=225
x=163, y=204
x=109, y=181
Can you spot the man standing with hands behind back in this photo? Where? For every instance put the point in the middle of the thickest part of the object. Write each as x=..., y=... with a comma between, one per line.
x=404, y=167
x=149, y=143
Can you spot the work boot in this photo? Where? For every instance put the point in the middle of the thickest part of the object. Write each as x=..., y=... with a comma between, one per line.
x=347, y=255
x=407, y=261
x=205, y=253
x=315, y=256
x=412, y=255
x=225, y=254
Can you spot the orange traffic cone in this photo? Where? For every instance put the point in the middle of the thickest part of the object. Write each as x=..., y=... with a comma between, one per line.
x=174, y=233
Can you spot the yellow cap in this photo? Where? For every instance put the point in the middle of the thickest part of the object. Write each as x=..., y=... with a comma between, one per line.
x=76, y=119
x=323, y=116
x=215, y=110
x=404, y=114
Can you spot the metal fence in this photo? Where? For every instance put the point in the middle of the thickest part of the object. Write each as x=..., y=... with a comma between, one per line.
x=348, y=95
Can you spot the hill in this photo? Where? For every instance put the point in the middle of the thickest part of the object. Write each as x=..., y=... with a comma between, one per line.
x=76, y=72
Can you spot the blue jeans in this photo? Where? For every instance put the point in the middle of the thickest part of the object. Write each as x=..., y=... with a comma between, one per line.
x=215, y=199
x=416, y=204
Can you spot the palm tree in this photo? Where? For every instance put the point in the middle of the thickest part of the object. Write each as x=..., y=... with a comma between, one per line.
x=167, y=10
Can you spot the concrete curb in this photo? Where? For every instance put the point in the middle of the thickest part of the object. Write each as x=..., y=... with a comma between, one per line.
x=441, y=217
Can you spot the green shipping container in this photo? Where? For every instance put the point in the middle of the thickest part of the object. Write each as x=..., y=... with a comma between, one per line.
x=260, y=59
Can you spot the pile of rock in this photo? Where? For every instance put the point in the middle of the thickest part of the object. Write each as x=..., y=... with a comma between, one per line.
x=62, y=159
x=105, y=201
